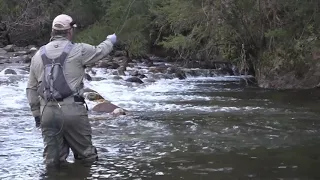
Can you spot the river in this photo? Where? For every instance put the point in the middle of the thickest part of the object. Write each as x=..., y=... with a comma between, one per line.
x=198, y=128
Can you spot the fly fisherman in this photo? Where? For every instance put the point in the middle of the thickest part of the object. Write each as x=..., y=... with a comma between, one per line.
x=55, y=92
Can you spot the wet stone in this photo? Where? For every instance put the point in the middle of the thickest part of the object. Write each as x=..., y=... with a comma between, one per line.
x=134, y=79
x=10, y=71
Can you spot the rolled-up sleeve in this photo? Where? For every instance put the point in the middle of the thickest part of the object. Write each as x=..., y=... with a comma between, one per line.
x=92, y=54
x=32, y=93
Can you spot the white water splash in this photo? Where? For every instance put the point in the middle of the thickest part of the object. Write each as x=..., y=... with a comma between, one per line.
x=162, y=95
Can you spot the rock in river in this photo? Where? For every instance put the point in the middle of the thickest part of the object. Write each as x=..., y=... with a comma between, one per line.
x=134, y=79
x=103, y=106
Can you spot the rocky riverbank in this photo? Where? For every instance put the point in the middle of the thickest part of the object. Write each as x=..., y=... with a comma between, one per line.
x=121, y=65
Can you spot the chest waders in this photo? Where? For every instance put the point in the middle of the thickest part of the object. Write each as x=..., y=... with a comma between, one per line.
x=54, y=86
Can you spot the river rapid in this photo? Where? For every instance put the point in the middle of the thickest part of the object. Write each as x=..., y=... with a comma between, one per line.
x=202, y=127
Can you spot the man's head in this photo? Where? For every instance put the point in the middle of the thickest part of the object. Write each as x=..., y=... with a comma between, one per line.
x=63, y=25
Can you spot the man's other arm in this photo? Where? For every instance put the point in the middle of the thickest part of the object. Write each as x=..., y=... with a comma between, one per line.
x=32, y=93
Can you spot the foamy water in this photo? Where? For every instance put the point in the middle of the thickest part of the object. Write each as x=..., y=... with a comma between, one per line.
x=161, y=95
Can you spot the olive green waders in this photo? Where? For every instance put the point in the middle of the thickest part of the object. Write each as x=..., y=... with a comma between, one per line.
x=66, y=125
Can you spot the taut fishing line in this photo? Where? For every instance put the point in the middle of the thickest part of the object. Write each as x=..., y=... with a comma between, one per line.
x=128, y=9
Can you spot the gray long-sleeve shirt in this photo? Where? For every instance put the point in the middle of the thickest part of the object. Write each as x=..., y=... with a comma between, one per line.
x=82, y=54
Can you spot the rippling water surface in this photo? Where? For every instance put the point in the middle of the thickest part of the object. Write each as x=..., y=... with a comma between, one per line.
x=198, y=128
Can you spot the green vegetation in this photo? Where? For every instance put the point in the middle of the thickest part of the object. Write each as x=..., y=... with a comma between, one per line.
x=272, y=37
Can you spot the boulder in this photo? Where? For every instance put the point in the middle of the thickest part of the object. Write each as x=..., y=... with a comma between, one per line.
x=131, y=65
x=93, y=96
x=119, y=58
x=119, y=53
x=137, y=74
x=148, y=62
x=118, y=112
x=9, y=48
x=142, y=76
x=117, y=77
x=157, y=69
x=157, y=59
x=105, y=107
x=122, y=60
x=113, y=65
x=102, y=64
x=180, y=74
x=108, y=65
x=9, y=71
x=134, y=79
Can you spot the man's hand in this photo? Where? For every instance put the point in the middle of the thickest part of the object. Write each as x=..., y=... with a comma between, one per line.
x=112, y=37
x=37, y=121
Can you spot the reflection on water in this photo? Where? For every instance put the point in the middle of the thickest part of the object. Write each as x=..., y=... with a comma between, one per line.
x=199, y=128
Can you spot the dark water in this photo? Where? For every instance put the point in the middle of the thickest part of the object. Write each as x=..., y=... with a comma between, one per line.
x=237, y=133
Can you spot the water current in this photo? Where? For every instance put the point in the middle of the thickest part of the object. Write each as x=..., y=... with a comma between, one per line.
x=198, y=128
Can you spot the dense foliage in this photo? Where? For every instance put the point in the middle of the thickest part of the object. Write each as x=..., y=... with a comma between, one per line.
x=264, y=34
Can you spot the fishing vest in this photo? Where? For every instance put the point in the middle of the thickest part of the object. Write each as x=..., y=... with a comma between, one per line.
x=54, y=86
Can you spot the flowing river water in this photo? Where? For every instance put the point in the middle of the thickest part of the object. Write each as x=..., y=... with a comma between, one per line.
x=198, y=128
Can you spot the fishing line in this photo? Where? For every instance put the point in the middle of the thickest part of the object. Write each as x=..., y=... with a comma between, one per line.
x=128, y=9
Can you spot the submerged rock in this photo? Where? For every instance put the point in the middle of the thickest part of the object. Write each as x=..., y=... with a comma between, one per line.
x=118, y=112
x=10, y=71
x=116, y=77
x=180, y=74
x=103, y=106
x=120, y=53
x=134, y=79
x=137, y=74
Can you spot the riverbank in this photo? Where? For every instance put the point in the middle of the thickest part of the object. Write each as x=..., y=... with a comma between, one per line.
x=118, y=62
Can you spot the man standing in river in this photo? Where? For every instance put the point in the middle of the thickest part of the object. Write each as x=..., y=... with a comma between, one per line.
x=55, y=92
